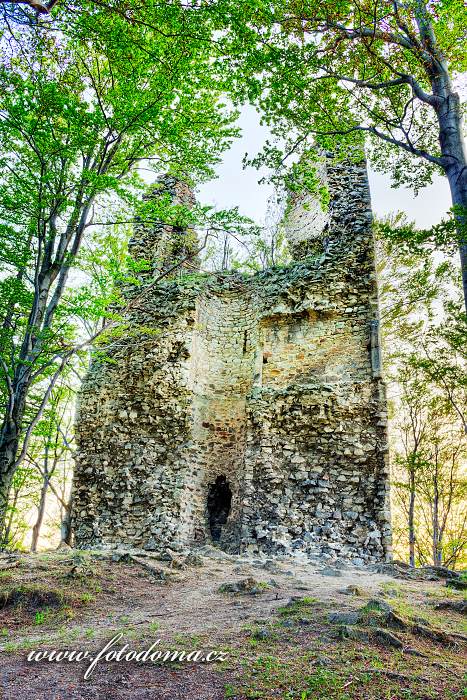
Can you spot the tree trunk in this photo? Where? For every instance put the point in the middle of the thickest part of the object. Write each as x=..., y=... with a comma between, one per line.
x=453, y=151
x=457, y=178
x=8, y=451
x=9, y=522
x=437, y=553
x=66, y=531
x=40, y=514
x=412, y=519
x=9, y=443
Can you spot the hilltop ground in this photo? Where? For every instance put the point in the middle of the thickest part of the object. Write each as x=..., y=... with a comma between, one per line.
x=289, y=629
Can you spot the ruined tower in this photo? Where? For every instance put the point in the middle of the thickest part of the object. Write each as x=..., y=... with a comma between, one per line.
x=254, y=417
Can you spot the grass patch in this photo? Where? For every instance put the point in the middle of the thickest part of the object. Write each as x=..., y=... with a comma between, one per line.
x=6, y=575
x=345, y=672
x=187, y=641
x=297, y=607
x=270, y=676
x=391, y=589
x=87, y=597
x=444, y=593
x=26, y=644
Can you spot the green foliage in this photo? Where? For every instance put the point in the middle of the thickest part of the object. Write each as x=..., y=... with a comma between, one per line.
x=408, y=239
x=337, y=72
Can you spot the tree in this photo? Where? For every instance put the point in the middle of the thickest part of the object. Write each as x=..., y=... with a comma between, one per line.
x=425, y=366
x=42, y=483
x=409, y=458
x=77, y=118
x=23, y=494
x=429, y=475
x=270, y=247
x=443, y=488
x=332, y=71
x=50, y=451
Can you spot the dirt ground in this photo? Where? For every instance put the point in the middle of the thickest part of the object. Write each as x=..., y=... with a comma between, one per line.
x=277, y=629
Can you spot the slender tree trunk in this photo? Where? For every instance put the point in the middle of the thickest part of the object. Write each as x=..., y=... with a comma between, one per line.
x=66, y=530
x=9, y=520
x=437, y=553
x=40, y=514
x=412, y=518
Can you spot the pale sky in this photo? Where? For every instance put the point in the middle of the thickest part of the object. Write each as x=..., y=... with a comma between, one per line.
x=238, y=187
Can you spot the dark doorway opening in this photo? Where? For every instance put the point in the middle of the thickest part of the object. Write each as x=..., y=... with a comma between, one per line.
x=219, y=501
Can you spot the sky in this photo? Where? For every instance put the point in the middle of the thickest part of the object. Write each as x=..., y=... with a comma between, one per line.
x=236, y=186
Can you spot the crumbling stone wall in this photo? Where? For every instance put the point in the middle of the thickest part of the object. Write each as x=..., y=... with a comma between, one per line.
x=267, y=384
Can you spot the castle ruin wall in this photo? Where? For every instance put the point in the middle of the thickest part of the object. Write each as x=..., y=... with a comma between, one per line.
x=255, y=417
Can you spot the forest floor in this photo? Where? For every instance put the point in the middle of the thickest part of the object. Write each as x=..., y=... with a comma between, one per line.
x=287, y=629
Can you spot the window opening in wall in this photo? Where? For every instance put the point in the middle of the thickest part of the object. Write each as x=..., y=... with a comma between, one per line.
x=219, y=502
x=245, y=339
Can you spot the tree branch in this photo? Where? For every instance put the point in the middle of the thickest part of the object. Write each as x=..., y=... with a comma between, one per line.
x=404, y=79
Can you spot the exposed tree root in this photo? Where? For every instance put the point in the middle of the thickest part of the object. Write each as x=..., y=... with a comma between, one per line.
x=437, y=635
x=397, y=676
x=459, y=606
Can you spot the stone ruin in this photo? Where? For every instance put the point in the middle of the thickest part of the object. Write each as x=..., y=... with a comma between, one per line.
x=253, y=416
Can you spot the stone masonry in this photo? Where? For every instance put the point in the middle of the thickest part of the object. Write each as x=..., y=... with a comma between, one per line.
x=253, y=416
